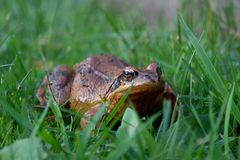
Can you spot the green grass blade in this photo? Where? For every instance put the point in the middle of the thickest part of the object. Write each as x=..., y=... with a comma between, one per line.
x=24, y=79
x=110, y=117
x=92, y=124
x=59, y=118
x=132, y=132
x=206, y=62
x=209, y=67
x=47, y=137
x=40, y=120
x=6, y=65
x=226, y=121
x=19, y=117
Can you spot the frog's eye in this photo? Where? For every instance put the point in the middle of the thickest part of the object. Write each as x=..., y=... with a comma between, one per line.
x=129, y=74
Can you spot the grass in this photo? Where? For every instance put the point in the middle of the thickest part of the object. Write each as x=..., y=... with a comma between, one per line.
x=200, y=58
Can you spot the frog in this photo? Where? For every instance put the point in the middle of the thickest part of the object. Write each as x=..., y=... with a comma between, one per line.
x=105, y=78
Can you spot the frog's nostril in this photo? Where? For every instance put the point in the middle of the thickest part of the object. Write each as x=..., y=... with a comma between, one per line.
x=146, y=76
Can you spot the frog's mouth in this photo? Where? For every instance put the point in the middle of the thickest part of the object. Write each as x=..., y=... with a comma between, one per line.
x=145, y=97
x=139, y=91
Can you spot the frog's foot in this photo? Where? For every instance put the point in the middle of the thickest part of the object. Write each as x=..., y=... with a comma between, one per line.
x=41, y=93
x=87, y=116
x=59, y=82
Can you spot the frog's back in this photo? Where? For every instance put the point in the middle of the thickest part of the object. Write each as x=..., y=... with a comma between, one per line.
x=93, y=78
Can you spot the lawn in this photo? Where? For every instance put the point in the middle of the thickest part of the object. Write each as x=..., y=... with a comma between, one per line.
x=199, y=55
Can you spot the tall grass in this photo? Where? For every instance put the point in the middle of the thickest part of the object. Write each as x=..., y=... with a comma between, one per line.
x=199, y=58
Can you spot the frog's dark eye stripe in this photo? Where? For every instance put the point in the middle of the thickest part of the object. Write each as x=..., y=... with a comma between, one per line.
x=129, y=74
x=115, y=85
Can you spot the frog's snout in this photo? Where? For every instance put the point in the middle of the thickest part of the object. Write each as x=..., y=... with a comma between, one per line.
x=155, y=67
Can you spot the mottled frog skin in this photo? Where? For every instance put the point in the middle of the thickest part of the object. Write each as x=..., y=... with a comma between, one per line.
x=105, y=78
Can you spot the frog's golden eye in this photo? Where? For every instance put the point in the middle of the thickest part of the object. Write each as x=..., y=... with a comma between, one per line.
x=129, y=74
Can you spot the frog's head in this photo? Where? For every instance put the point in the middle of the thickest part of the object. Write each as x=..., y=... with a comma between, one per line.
x=145, y=87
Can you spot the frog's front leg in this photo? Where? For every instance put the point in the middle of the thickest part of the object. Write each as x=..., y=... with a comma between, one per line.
x=59, y=83
x=87, y=116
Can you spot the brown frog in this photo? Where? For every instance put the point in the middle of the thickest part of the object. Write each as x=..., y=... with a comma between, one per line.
x=106, y=78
